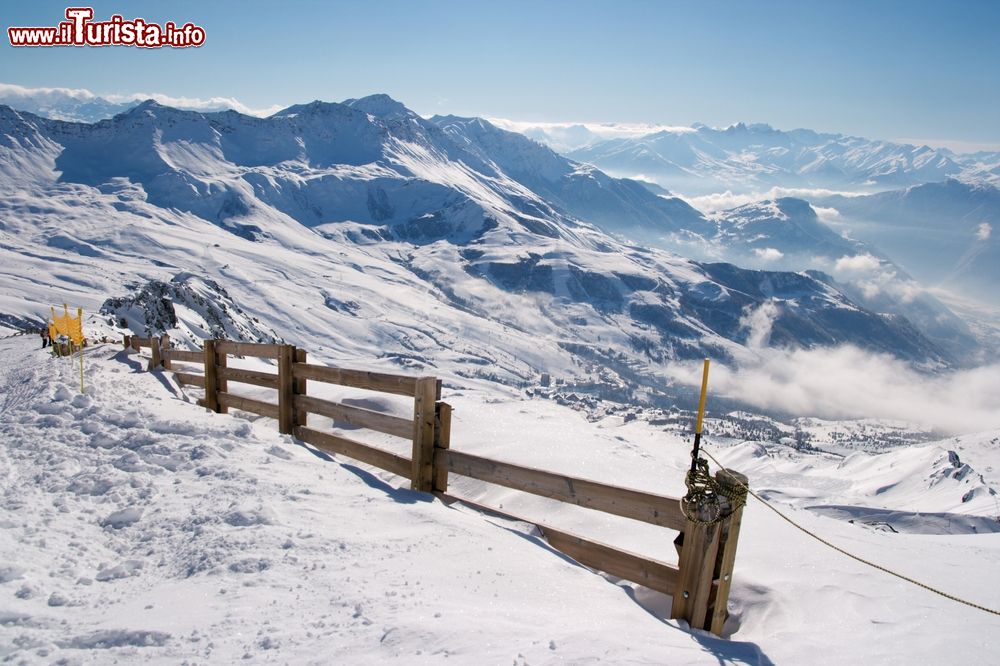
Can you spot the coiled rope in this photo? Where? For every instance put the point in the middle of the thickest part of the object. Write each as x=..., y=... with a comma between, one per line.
x=849, y=554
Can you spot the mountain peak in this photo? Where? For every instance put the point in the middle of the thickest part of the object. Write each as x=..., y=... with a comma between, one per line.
x=381, y=106
x=751, y=128
x=794, y=207
x=314, y=107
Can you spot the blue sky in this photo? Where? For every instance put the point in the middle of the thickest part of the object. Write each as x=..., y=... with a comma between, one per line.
x=879, y=68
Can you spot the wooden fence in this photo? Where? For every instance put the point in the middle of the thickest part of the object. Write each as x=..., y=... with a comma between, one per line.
x=699, y=583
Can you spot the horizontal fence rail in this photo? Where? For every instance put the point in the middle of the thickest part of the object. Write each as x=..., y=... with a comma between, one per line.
x=183, y=356
x=387, y=460
x=248, y=405
x=699, y=583
x=357, y=416
x=647, y=507
x=257, y=378
x=362, y=379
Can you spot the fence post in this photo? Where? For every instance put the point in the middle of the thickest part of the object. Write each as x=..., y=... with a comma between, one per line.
x=286, y=390
x=422, y=470
x=211, y=378
x=442, y=440
x=222, y=384
x=696, y=568
x=127, y=341
x=154, y=361
x=301, y=388
x=728, y=480
x=164, y=346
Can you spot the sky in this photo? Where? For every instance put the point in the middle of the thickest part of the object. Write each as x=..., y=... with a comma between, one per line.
x=920, y=71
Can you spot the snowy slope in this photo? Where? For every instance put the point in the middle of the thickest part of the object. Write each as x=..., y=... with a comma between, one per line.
x=616, y=205
x=135, y=526
x=360, y=231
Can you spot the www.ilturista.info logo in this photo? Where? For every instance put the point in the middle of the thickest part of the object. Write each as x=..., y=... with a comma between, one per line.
x=79, y=29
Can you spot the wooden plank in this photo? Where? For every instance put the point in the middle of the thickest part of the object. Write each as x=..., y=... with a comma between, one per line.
x=184, y=356
x=255, y=377
x=442, y=440
x=138, y=342
x=697, y=565
x=248, y=349
x=363, y=379
x=728, y=540
x=645, y=571
x=423, y=426
x=286, y=393
x=647, y=507
x=615, y=561
x=390, y=462
x=357, y=416
x=189, y=379
x=301, y=388
x=211, y=378
x=248, y=405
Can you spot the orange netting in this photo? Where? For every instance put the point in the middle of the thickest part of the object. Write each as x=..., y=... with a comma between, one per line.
x=71, y=327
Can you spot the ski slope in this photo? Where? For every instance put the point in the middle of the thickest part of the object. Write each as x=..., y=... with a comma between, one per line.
x=137, y=527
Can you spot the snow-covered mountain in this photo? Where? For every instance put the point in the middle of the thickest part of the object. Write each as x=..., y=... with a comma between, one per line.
x=616, y=205
x=945, y=234
x=788, y=234
x=81, y=105
x=62, y=103
x=757, y=157
x=366, y=232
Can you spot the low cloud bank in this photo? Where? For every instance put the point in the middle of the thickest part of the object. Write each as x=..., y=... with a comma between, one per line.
x=720, y=201
x=848, y=383
x=13, y=94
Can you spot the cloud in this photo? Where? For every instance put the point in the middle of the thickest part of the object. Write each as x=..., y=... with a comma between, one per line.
x=13, y=90
x=51, y=95
x=873, y=278
x=603, y=130
x=768, y=254
x=198, y=104
x=759, y=322
x=850, y=383
x=828, y=216
x=984, y=231
x=857, y=266
x=719, y=201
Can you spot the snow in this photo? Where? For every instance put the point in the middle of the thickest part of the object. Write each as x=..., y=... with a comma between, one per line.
x=135, y=526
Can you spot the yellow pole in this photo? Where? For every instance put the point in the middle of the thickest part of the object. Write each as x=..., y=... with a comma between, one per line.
x=701, y=416
x=701, y=402
x=53, y=329
x=79, y=315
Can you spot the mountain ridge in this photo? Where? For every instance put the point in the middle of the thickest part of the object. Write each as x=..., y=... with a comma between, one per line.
x=344, y=231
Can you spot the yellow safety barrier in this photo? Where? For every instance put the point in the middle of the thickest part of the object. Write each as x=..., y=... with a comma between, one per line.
x=72, y=329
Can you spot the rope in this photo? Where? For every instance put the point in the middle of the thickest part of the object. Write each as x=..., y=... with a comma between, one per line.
x=701, y=504
x=852, y=555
